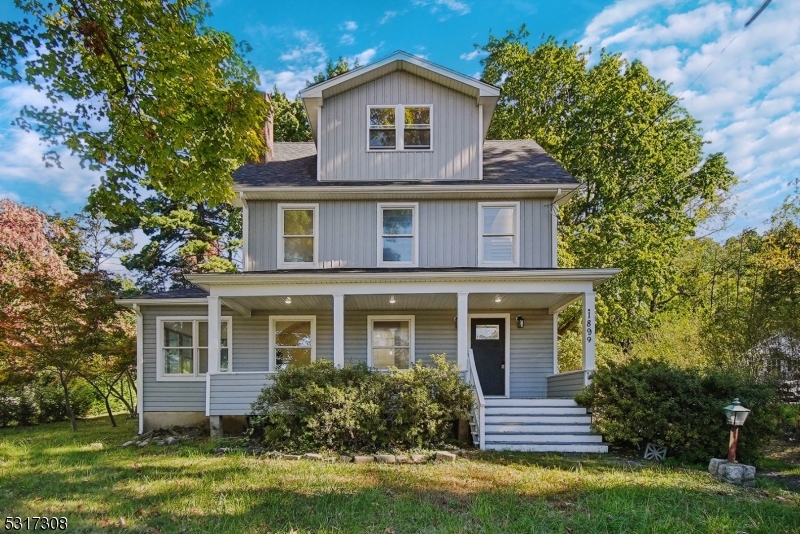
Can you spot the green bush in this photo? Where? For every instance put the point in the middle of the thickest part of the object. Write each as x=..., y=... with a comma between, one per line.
x=318, y=407
x=641, y=401
x=48, y=398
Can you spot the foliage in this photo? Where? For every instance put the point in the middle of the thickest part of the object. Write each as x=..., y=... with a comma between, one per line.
x=641, y=401
x=42, y=401
x=318, y=406
x=618, y=131
x=570, y=351
x=290, y=122
x=140, y=89
x=331, y=70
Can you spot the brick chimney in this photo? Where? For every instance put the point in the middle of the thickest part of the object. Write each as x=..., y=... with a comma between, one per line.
x=268, y=132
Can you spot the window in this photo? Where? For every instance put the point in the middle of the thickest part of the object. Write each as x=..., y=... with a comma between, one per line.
x=183, y=347
x=498, y=234
x=293, y=341
x=297, y=235
x=397, y=235
x=391, y=341
x=399, y=127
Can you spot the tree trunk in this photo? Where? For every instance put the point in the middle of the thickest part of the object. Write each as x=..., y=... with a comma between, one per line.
x=68, y=404
x=110, y=413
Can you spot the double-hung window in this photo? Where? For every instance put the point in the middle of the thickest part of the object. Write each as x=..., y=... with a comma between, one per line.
x=391, y=341
x=293, y=340
x=298, y=230
x=498, y=234
x=399, y=127
x=183, y=347
x=398, y=229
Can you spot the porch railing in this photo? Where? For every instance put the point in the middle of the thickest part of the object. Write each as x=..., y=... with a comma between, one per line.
x=233, y=393
x=566, y=385
x=479, y=409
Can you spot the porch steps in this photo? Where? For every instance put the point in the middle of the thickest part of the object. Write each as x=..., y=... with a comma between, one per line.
x=538, y=425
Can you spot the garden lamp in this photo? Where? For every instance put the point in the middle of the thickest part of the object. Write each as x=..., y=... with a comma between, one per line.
x=735, y=414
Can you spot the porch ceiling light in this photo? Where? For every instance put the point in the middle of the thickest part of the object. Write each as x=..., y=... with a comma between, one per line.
x=392, y=300
x=498, y=298
x=287, y=300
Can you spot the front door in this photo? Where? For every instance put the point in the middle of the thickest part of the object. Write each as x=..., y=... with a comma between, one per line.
x=489, y=347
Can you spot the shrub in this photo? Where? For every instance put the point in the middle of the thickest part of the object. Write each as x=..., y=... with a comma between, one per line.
x=318, y=406
x=641, y=401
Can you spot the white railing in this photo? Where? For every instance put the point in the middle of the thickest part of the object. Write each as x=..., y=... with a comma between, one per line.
x=566, y=385
x=479, y=409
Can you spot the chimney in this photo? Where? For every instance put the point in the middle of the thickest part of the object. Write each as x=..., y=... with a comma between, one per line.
x=268, y=131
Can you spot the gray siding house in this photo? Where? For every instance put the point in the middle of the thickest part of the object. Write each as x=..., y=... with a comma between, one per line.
x=400, y=232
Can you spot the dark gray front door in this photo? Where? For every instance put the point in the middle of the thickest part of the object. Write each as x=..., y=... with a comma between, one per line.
x=489, y=348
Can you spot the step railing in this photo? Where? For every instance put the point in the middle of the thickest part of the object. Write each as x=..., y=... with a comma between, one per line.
x=479, y=408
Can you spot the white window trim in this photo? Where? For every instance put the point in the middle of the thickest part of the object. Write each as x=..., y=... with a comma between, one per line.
x=272, y=346
x=411, y=345
x=161, y=376
x=296, y=264
x=415, y=241
x=399, y=127
x=517, y=236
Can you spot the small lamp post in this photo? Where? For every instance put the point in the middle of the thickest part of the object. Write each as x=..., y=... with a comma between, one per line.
x=736, y=414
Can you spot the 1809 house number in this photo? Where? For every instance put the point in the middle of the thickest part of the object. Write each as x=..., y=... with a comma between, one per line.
x=588, y=326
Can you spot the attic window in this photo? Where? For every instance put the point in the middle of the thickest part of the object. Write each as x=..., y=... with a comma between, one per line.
x=399, y=127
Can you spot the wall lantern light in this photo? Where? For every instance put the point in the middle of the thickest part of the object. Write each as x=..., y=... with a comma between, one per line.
x=520, y=322
x=735, y=414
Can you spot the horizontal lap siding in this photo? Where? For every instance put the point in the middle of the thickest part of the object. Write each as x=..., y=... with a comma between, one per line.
x=455, y=137
x=234, y=394
x=448, y=233
x=565, y=385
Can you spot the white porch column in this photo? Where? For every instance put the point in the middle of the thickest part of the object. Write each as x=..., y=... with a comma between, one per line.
x=589, y=329
x=338, y=331
x=214, y=317
x=463, y=331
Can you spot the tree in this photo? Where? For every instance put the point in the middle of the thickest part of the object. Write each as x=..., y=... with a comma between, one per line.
x=618, y=131
x=140, y=89
x=332, y=69
x=290, y=122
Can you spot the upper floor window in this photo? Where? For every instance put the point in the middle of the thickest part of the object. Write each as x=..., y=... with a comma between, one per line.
x=498, y=234
x=399, y=127
x=183, y=347
x=397, y=235
x=298, y=229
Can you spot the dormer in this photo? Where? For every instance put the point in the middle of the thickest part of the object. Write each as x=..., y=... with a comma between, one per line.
x=400, y=118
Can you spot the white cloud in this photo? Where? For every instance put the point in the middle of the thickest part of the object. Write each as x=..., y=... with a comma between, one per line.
x=366, y=56
x=347, y=39
x=387, y=16
x=748, y=99
x=350, y=26
x=445, y=8
x=469, y=56
x=309, y=49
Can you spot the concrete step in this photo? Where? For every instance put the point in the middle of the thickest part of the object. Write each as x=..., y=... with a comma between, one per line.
x=538, y=410
x=536, y=428
x=565, y=403
x=540, y=419
x=600, y=448
x=534, y=438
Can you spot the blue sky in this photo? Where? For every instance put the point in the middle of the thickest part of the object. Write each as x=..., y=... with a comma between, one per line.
x=748, y=99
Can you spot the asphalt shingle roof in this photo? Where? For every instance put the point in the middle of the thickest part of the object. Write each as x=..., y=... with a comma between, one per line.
x=515, y=162
x=187, y=293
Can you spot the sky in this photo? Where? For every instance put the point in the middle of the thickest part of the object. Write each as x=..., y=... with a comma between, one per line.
x=743, y=84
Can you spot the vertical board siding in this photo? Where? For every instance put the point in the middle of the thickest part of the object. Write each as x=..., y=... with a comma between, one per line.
x=531, y=353
x=565, y=385
x=454, y=134
x=448, y=233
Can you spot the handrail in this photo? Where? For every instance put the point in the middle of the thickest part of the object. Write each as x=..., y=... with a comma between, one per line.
x=481, y=407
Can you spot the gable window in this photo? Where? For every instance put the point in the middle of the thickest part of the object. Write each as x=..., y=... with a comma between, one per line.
x=298, y=229
x=183, y=347
x=399, y=127
x=498, y=234
x=397, y=235
x=293, y=340
x=391, y=341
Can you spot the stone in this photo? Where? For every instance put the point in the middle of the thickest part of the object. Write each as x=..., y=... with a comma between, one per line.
x=444, y=456
x=345, y=459
x=291, y=456
x=329, y=460
x=402, y=459
x=223, y=450
x=732, y=473
x=129, y=443
x=363, y=459
x=385, y=458
x=143, y=443
x=419, y=458
x=714, y=464
x=170, y=440
x=312, y=456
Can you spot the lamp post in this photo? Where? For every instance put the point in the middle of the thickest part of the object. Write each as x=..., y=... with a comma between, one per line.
x=736, y=414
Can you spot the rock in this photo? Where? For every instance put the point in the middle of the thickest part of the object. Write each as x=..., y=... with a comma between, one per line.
x=143, y=443
x=714, y=464
x=291, y=456
x=255, y=451
x=385, y=458
x=223, y=450
x=444, y=456
x=129, y=443
x=419, y=458
x=329, y=459
x=170, y=440
x=345, y=459
x=402, y=459
x=732, y=473
x=312, y=456
x=363, y=459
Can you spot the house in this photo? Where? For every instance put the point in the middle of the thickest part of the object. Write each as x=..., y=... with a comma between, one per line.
x=398, y=233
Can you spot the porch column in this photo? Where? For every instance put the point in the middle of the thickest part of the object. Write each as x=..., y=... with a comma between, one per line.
x=338, y=330
x=589, y=328
x=214, y=315
x=463, y=331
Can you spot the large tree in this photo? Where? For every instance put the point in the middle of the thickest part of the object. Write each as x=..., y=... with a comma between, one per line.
x=142, y=90
x=620, y=132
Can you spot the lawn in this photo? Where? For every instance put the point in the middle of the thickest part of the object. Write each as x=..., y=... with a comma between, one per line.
x=99, y=486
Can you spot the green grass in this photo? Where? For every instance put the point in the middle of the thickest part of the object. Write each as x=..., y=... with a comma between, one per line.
x=49, y=470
